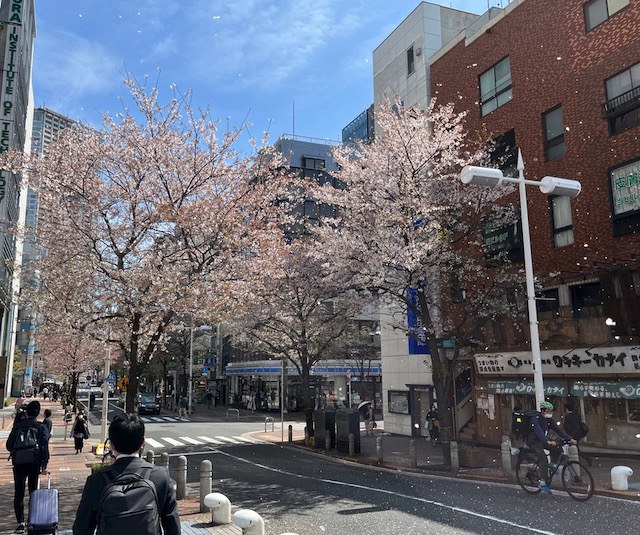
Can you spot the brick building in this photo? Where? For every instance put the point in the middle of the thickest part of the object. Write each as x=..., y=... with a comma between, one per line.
x=561, y=82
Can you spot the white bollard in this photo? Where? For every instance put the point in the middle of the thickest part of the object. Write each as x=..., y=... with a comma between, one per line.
x=505, y=450
x=220, y=508
x=249, y=521
x=620, y=476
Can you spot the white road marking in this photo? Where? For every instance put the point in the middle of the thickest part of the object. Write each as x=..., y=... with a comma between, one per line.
x=153, y=443
x=191, y=440
x=211, y=440
x=172, y=441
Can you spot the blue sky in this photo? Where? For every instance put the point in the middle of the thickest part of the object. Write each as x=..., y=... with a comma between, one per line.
x=248, y=60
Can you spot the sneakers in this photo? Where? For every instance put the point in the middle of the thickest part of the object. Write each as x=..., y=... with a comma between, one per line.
x=545, y=488
x=21, y=528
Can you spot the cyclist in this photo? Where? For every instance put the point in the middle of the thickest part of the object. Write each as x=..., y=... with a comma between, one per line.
x=538, y=439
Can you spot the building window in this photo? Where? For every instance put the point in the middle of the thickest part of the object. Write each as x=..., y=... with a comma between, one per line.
x=554, y=134
x=313, y=163
x=495, y=86
x=504, y=154
x=598, y=11
x=562, y=220
x=623, y=100
x=586, y=301
x=548, y=304
x=411, y=63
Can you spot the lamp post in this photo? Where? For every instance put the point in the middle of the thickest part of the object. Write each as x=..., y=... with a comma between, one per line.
x=550, y=186
x=190, y=385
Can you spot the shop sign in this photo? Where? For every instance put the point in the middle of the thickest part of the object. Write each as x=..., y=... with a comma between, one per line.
x=625, y=188
x=527, y=387
x=623, y=360
x=607, y=389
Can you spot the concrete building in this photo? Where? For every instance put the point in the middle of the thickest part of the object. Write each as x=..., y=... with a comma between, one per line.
x=46, y=124
x=17, y=34
x=401, y=71
x=561, y=82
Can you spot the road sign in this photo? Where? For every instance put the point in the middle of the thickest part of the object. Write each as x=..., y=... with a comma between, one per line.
x=111, y=378
x=88, y=378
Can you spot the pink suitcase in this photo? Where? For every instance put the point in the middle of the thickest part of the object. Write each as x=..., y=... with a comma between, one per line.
x=43, y=510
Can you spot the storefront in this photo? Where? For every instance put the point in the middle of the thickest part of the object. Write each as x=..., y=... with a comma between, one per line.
x=603, y=382
x=335, y=383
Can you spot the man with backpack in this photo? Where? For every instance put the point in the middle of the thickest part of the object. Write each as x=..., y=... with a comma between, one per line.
x=538, y=439
x=28, y=443
x=130, y=496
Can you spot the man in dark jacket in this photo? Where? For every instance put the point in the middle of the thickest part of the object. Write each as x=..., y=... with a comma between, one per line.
x=538, y=440
x=574, y=426
x=126, y=434
x=27, y=471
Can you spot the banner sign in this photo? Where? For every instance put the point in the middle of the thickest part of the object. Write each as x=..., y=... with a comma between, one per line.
x=623, y=360
x=607, y=389
x=527, y=387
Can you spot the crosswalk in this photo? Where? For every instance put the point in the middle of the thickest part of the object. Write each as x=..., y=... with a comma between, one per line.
x=158, y=443
x=163, y=442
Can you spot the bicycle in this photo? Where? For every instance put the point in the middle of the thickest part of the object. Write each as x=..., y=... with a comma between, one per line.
x=577, y=481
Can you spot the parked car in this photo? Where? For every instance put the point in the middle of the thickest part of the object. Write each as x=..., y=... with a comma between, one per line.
x=148, y=403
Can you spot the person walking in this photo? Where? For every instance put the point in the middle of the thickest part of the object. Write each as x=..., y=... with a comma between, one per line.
x=27, y=458
x=432, y=423
x=183, y=405
x=126, y=434
x=575, y=426
x=79, y=432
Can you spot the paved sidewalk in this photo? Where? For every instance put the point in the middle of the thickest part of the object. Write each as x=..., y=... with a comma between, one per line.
x=69, y=471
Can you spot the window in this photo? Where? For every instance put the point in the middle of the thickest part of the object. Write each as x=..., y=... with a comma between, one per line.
x=548, y=304
x=313, y=163
x=504, y=154
x=554, y=134
x=562, y=221
x=495, y=86
x=598, y=11
x=586, y=301
x=411, y=64
x=623, y=100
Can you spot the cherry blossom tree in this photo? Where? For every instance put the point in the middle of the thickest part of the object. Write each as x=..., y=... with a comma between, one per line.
x=299, y=313
x=410, y=232
x=150, y=217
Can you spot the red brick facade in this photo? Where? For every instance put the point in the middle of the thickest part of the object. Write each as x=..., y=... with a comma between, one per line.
x=555, y=61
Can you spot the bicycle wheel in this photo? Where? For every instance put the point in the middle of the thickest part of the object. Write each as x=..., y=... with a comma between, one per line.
x=577, y=481
x=528, y=475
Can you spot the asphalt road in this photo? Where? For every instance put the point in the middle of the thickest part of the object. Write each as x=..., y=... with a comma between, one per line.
x=307, y=493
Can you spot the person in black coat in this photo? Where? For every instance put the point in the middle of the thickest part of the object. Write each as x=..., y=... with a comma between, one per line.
x=24, y=472
x=126, y=434
x=573, y=426
x=79, y=432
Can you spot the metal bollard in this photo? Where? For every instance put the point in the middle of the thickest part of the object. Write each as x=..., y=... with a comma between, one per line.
x=505, y=450
x=249, y=521
x=352, y=445
x=290, y=433
x=268, y=420
x=379, y=450
x=205, y=483
x=164, y=460
x=181, y=478
x=306, y=436
x=3, y=421
x=327, y=440
x=149, y=456
x=413, y=453
x=455, y=460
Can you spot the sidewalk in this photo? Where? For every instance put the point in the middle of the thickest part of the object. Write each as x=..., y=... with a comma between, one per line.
x=69, y=471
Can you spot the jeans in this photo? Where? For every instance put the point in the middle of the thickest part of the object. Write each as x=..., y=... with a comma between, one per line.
x=22, y=472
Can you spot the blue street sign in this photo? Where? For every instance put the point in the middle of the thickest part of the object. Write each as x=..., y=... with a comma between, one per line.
x=111, y=378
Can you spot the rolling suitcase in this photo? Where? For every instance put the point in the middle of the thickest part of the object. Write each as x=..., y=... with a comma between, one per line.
x=43, y=510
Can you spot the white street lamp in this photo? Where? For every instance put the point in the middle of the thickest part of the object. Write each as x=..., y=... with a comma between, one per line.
x=549, y=185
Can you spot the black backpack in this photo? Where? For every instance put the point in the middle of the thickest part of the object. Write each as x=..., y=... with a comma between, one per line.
x=129, y=504
x=521, y=423
x=26, y=448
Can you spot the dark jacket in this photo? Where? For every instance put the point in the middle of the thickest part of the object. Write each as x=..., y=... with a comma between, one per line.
x=43, y=438
x=573, y=425
x=87, y=515
x=540, y=427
